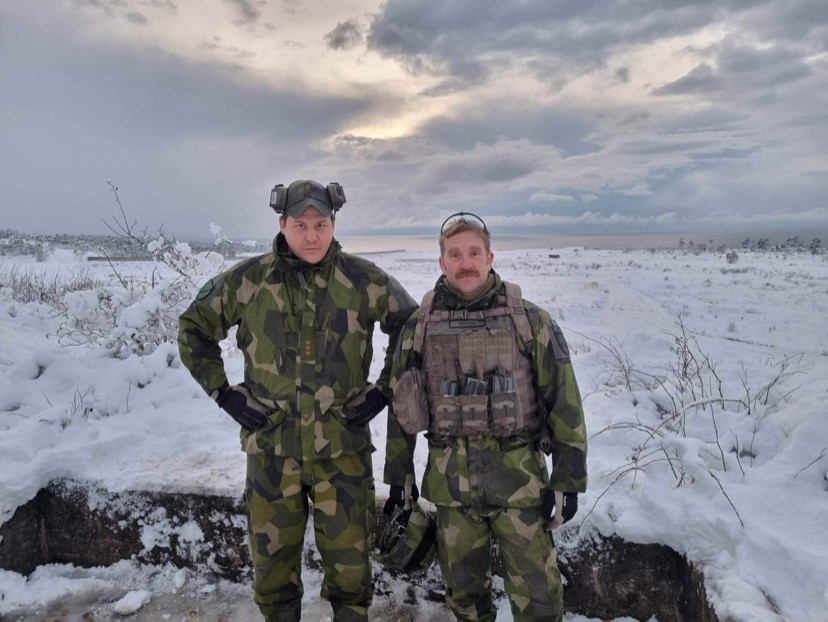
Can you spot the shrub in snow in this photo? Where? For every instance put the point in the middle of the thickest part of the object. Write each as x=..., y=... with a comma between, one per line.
x=137, y=314
x=694, y=421
x=43, y=285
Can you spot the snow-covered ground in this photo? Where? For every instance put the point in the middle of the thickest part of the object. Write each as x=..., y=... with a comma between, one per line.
x=705, y=385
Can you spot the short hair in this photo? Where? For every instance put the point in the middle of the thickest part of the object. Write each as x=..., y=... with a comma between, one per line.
x=461, y=225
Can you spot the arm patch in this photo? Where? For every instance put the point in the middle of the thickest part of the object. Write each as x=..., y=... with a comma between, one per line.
x=206, y=290
x=559, y=345
x=211, y=288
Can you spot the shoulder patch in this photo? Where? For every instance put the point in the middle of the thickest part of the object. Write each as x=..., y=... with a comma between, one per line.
x=206, y=290
x=559, y=345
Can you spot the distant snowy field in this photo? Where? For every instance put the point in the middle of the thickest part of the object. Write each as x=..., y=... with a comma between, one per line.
x=705, y=385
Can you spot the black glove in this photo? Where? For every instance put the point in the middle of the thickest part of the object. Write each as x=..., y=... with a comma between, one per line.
x=396, y=498
x=568, y=510
x=237, y=402
x=360, y=414
x=570, y=506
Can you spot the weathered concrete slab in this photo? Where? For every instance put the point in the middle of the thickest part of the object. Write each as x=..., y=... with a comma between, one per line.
x=22, y=538
x=82, y=524
x=613, y=578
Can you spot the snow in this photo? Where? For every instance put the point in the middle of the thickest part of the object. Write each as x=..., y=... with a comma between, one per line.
x=132, y=602
x=732, y=473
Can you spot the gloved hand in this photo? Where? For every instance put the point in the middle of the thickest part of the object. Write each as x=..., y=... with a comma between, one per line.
x=396, y=498
x=237, y=402
x=569, y=507
x=360, y=414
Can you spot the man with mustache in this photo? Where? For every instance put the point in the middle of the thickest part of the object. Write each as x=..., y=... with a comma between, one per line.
x=487, y=376
x=305, y=313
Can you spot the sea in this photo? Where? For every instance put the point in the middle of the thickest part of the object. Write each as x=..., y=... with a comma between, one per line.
x=601, y=241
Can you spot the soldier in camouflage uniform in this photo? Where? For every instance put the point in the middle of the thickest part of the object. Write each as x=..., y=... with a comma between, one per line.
x=487, y=376
x=305, y=314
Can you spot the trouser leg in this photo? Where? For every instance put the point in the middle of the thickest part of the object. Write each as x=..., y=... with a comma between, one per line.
x=464, y=552
x=343, y=504
x=277, y=510
x=530, y=569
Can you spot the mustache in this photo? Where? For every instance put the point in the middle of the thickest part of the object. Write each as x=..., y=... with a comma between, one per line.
x=468, y=272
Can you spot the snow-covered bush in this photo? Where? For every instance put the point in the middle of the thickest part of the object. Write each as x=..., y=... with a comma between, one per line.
x=694, y=421
x=43, y=285
x=137, y=314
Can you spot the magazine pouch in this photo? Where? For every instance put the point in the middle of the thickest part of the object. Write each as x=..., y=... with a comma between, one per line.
x=411, y=401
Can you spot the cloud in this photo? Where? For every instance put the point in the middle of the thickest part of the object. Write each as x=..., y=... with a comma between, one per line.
x=546, y=197
x=136, y=18
x=346, y=36
x=817, y=215
x=701, y=78
x=133, y=11
x=185, y=142
x=653, y=114
x=248, y=11
x=557, y=37
x=742, y=71
x=623, y=74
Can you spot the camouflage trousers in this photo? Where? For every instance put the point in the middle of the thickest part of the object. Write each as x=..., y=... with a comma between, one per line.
x=528, y=555
x=277, y=495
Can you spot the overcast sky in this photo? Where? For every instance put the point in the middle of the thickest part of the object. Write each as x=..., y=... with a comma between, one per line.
x=541, y=115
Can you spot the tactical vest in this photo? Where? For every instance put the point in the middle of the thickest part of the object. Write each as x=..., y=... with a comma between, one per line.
x=477, y=378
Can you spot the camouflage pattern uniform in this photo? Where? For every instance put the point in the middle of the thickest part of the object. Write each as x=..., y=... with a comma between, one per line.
x=306, y=335
x=488, y=486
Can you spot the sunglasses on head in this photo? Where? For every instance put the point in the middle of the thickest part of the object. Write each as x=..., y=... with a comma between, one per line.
x=459, y=217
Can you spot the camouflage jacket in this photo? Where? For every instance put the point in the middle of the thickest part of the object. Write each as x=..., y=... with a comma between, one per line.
x=306, y=335
x=490, y=471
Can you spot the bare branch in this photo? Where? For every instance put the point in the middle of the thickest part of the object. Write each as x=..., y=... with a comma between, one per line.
x=713, y=475
x=812, y=462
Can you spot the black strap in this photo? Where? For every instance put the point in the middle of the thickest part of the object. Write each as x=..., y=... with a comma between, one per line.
x=425, y=544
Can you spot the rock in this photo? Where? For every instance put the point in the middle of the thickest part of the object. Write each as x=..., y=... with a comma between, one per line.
x=79, y=523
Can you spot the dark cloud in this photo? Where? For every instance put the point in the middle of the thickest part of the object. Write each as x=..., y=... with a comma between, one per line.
x=446, y=87
x=529, y=111
x=565, y=130
x=761, y=70
x=802, y=24
x=247, y=9
x=742, y=72
x=464, y=40
x=701, y=79
x=346, y=36
x=458, y=36
x=186, y=143
x=159, y=97
x=470, y=169
x=771, y=67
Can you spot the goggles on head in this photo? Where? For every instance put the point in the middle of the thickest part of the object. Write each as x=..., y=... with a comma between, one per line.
x=461, y=217
x=328, y=199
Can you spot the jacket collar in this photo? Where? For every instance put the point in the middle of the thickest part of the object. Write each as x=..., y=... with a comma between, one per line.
x=446, y=298
x=287, y=261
